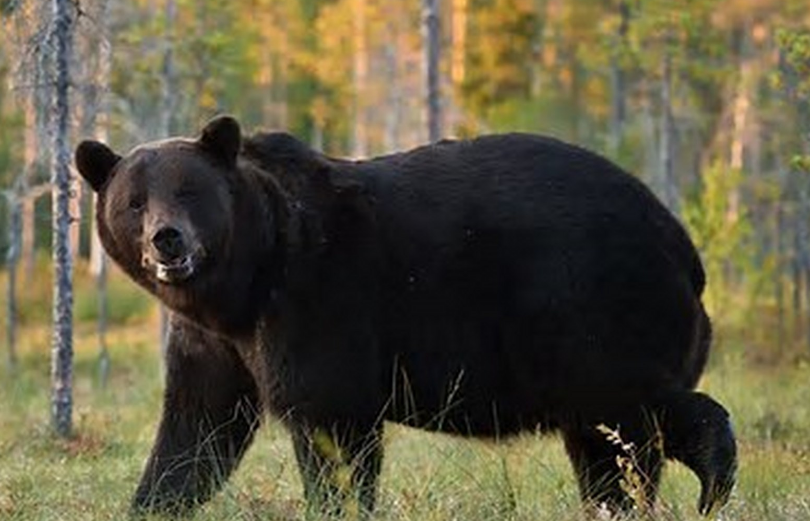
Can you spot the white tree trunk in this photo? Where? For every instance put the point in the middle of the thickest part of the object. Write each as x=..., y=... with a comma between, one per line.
x=28, y=252
x=394, y=98
x=667, y=135
x=168, y=77
x=359, y=146
x=12, y=258
x=432, y=43
x=739, y=123
x=98, y=259
x=62, y=348
x=618, y=82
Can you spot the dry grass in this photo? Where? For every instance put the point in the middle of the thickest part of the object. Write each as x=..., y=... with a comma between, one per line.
x=426, y=477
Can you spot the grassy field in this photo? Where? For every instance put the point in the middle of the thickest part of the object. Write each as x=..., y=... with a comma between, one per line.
x=425, y=477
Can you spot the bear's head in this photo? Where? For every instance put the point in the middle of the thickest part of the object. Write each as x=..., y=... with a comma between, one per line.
x=167, y=213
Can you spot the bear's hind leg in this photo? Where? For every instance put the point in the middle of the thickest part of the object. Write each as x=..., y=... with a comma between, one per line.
x=210, y=411
x=697, y=432
x=617, y=473
x=338, y=466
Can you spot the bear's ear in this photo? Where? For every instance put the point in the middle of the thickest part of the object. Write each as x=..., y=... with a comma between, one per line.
x=95, y=162
x=222, y=137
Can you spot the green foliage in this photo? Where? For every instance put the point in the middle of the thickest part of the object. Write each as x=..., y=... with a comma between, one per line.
x=547, y=115
x=721, y=232
x=10, y=125
x=503, y=34
x=800, y=162
x=8, y=7
x=794, y=80
x=795, y=44
x=127, y=302
x=212, y=50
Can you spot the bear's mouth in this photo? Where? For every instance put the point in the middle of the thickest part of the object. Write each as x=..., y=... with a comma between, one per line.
x=177, y=270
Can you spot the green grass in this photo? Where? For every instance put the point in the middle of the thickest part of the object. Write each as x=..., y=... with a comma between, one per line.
x=426, y=476
x=125, y=301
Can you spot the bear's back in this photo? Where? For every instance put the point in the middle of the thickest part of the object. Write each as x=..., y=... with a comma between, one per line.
x=549, y=195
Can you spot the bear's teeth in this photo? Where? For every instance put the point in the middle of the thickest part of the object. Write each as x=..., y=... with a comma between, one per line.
x=174, y=272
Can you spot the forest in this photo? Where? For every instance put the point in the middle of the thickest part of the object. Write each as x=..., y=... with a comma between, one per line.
x=706, y=101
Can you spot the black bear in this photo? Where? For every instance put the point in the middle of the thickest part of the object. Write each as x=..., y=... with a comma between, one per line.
x=478, y=287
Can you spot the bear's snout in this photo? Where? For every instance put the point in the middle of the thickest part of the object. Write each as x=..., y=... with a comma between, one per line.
x=173, y=254
x=169, y=244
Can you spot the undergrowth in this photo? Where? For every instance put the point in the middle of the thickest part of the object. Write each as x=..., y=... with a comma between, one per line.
x=426, y=476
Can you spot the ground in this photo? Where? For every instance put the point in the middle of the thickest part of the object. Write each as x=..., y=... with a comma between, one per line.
x=426, y=477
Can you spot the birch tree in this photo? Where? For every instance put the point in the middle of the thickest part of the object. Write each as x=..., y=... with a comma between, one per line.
x=669, y=187
x=14, y=202
x=26, y=36
x=62, y=347
x=360, y=79
x=16, y=198
x=432, y=43
x=96, y=63
x=618, y=79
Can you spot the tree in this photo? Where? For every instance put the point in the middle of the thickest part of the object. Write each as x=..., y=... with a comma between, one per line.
x=432, y=45
x=360, y=79
x=16, y=197
x=618, y=78
x=25, y=38
x=14, y=202
x=95, y=66
x=499, y=59
x=62, y=348
x=794, y=79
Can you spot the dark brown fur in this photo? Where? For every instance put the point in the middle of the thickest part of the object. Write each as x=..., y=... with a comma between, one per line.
x=477, y=287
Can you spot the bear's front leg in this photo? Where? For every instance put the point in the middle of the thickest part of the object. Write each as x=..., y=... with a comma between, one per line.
x=210, y=411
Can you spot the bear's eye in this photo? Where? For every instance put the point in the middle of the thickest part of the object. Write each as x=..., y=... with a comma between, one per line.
x=137, y=203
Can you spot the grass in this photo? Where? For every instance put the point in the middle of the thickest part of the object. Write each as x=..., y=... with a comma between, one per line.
x=426, y=476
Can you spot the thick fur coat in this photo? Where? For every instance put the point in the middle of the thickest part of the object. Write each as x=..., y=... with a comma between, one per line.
x=479, y=287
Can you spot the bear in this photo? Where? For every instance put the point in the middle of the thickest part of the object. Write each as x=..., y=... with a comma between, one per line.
x=481, y=287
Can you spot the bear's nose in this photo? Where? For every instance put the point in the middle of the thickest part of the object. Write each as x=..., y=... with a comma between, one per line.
x=168, y=241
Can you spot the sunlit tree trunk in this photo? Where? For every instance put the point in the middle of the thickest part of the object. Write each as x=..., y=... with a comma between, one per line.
x=62, y=350
x=739, y=120
x=267, y=17
x=667, y=135
x=28, y=245
x=103, y=307
x=393, y=114
x=779, y=271
x=432, y=42
x=650, y=131
x=98, y=259
x=168, y=77
x=538, y=69
x=618, y=81
x=14, y=202
x=459, y=23
x=359, y=146
x=799, y=187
